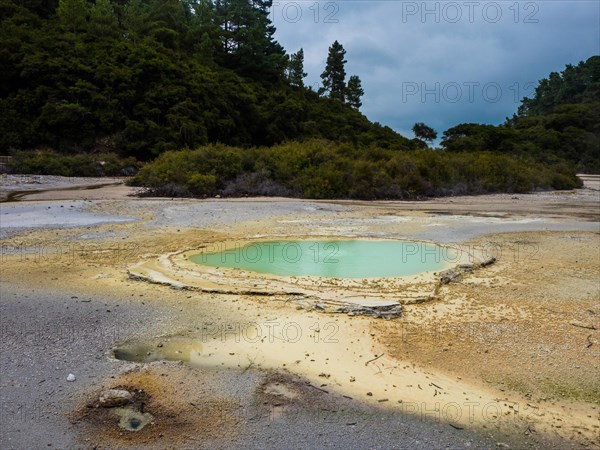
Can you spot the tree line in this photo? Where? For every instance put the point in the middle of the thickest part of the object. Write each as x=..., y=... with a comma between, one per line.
x=96, y=87
x=140, y=77
x=561, y=122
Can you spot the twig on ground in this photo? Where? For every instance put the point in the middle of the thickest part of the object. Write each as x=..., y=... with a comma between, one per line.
x=374, y=359
x=582, y=325
x=318, y=388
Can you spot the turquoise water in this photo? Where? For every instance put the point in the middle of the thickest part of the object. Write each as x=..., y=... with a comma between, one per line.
x=333, y=259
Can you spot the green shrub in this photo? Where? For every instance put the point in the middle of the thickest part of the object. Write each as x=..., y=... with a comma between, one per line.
x=323, y=169
x=114, y=165
x=47, y=162
x=201, y=183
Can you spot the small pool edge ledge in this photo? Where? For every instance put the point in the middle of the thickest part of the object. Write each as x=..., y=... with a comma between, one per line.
x=313, y=293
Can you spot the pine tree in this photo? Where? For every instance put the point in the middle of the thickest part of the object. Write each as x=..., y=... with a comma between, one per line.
x=135, y=19
x=103, y=21
x=334, y=75
x=295, y=69
x=203, y=21
x=354, y=92
x=248, y=44
x=424, y=132
x=72, y=14
x=205, y=50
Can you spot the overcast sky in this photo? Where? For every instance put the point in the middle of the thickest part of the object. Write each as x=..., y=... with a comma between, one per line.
x=442, y=63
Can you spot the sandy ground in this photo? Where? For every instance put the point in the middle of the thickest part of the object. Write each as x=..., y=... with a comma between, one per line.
x=45, y=187
x=504, y=357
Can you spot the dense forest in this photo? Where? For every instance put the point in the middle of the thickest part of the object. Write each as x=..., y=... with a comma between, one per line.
x=144, y=76
x=560, y=122
x=200, y=97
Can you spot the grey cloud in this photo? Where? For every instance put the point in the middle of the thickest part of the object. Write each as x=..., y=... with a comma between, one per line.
x=388, y=50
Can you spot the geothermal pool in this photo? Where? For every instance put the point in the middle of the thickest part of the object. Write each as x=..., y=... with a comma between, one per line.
x=330, y=258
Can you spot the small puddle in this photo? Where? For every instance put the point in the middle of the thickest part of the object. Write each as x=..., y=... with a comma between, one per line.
x=330, y=258
x=173, y=349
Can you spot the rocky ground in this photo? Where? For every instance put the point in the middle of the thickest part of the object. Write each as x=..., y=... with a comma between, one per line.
x=504, y=357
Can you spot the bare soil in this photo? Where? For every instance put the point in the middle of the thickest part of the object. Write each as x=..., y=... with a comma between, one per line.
x=515, y=345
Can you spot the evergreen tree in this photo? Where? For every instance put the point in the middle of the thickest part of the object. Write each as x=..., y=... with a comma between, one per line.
x=334, y=75
x=575, y=84
x=205, y=49
x=248, y=45
x=204, y=33
x=354, y=92
x=135, y=19
x=72, y=14
x=204, y=11
x=424, y=132
x=295, y=69
x=103, y=21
